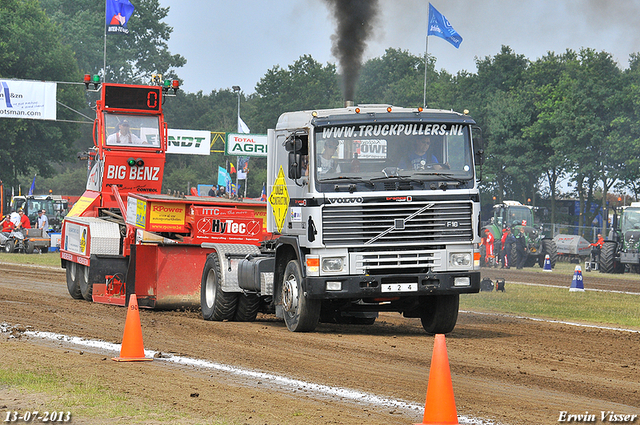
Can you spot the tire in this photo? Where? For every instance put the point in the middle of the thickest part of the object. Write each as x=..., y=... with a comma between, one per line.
x=72, y=281
x=29, y=248
x=248, y=306
x=439, y=313
x=301, y=314
x=215, y=304
x=85, y=285
x=530, y=260
x=367, y=321
x=9, y=246
x=549, y=248
x=608, y=263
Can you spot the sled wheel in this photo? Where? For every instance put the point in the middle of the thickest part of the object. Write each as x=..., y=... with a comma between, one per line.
x=72, y=281
x=85, y=285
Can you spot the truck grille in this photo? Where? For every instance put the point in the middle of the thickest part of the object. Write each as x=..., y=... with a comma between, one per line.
x=397, y=224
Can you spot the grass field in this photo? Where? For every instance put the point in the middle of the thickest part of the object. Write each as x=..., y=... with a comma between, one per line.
x=48, y=259
x=606, y=308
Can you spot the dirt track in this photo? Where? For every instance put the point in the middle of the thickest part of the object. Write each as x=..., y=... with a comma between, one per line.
x=509, y=370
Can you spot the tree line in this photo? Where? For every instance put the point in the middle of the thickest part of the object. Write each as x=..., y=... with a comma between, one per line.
x=571, y=117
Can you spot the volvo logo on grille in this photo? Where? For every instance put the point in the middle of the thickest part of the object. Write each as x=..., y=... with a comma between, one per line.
x=452, y=224
x=345, y=200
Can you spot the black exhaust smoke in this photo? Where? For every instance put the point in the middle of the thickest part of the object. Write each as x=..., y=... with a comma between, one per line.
x=355, y=21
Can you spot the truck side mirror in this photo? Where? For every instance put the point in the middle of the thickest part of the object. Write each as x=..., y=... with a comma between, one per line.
x=478, y=145
x=295, y=165
x=293, y=144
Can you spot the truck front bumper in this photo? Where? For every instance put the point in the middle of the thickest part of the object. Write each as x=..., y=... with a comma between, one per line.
x=392, y=285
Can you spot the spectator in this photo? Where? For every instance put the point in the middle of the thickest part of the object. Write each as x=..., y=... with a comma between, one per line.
x=596, y=248
x=7, y=228
x=43, y=222
x=503, y=239
x=15, y=218
x=489, y=242
x=24, y=220
x=508, y=248
x=521, y=249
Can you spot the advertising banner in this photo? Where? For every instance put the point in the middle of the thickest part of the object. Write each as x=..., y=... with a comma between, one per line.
x=32, y=100
x=247, y=144
x=193, y=142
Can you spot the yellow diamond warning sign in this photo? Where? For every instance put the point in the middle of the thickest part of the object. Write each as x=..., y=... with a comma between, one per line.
x=279, y=200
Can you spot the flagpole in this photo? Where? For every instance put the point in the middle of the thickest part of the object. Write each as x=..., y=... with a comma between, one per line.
x=104, y=62
x=426, y=57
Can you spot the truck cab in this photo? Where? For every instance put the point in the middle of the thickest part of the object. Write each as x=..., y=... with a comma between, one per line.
x=369, y=218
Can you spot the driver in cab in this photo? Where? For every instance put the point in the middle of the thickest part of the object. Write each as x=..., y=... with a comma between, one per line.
x=124, y=136
x=421, y=157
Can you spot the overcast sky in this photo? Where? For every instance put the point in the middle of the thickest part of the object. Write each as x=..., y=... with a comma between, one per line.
x=229, y=43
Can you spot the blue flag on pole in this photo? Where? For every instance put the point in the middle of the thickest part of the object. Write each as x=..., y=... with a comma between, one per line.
x=263, y=195
x=118, y=14
x=224, y=179
x=33, y=186
x=440, y=27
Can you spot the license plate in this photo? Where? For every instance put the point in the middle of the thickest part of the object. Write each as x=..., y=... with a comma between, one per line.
x=400, y=287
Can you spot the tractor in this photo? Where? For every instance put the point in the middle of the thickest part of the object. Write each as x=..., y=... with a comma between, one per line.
x=514, y=215
x=622, y=247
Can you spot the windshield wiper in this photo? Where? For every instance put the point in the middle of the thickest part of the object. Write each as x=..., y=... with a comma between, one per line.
x=447, y=176
x=342, y=179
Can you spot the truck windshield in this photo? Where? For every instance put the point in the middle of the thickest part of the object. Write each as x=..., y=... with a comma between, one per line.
x=125, y=130
x=410, y=150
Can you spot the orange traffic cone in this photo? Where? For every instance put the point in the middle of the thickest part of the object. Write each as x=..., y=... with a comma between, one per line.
x=440, y=406
x=132, y=349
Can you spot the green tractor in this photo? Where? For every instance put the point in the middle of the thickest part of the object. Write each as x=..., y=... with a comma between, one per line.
x=622, y=247
x=514, y=215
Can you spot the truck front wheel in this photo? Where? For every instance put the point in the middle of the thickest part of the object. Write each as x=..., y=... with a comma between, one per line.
x=439, y=313
x=72, y=281
x=215, y=303
x=301, y=314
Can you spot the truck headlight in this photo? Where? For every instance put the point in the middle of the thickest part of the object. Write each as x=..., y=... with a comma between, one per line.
x=460, y=259
x=332, y=264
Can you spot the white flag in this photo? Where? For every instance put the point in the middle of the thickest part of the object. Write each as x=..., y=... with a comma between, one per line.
x=242, y=127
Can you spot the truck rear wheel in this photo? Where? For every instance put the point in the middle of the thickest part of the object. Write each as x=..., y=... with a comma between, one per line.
x=86, y=287
x=248, y=306
x=72, y=281
x=216, y=304
x=439, y=313
x=301, y=314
